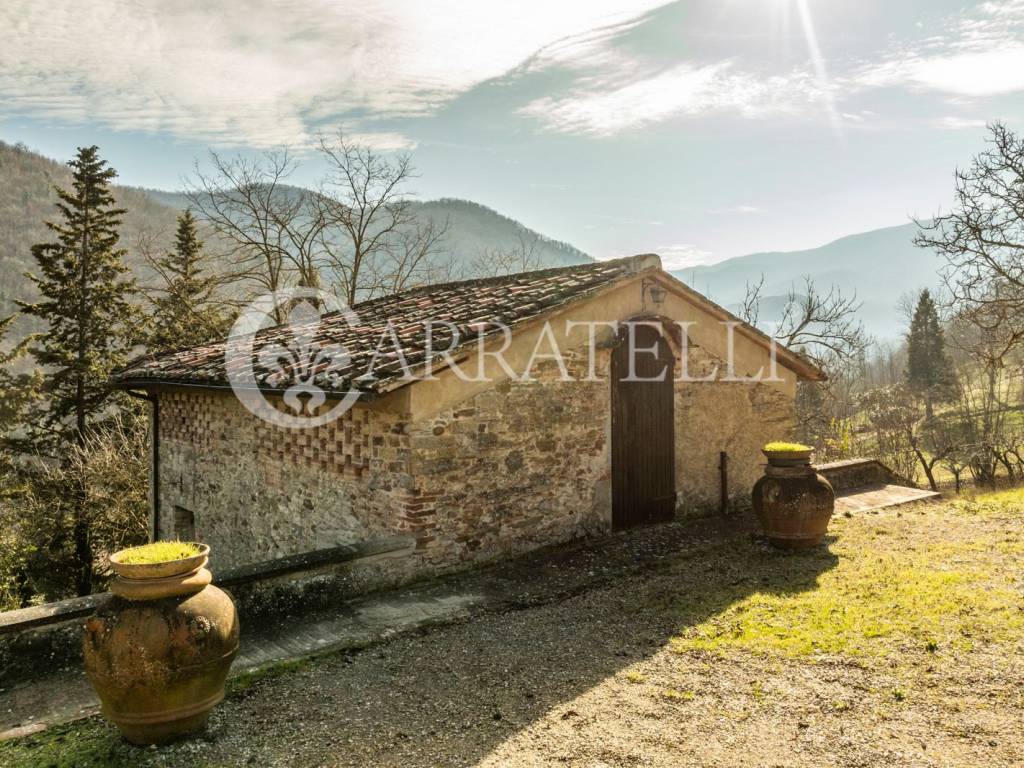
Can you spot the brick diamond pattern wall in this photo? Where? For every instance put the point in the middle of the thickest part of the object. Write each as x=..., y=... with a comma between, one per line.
x=342, y=446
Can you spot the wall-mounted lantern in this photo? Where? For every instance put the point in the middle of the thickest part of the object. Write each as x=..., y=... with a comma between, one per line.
x=653, y=290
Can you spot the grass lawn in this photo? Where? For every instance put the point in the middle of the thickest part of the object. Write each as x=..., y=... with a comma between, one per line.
x=900, y=643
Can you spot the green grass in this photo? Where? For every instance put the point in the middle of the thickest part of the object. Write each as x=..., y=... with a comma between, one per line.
x=781, y=447
x=87, y=744
x=1010, y=500
x=159, y=552
x=926, y=580
x=93, y=743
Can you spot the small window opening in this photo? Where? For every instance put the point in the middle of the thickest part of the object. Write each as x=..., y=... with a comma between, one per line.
x=184, y=524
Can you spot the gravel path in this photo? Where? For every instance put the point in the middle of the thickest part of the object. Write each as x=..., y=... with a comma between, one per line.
x=594, y=681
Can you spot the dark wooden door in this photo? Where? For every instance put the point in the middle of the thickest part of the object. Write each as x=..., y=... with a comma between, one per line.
x=643, y=431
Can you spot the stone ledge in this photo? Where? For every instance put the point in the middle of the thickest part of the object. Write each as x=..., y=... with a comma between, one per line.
x=855, y=473
x=50, y=634
x=12, y=622
x=394, y=546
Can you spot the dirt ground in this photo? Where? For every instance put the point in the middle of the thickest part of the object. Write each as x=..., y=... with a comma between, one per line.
x=899, y=643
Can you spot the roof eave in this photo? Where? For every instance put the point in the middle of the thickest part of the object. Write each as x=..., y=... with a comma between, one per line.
x=794, y=361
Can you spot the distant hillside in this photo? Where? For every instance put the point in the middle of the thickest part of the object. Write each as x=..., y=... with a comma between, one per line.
x=881, y=266
x=472, y=228
x=27, y=201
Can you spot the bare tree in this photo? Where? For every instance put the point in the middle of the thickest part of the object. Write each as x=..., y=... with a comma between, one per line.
x=956, y=464
x=375, y=243
x=357, y=231
x=984, y=412
x=982, y=239
x=523, y=256
x=272, y=232
x=905, y=435
x=823, y=326
x=413, y=259
x=750, y=308
x=893, y=418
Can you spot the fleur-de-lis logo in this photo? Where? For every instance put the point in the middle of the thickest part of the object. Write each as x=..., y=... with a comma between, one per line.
x=296, y=361
x=298, y=366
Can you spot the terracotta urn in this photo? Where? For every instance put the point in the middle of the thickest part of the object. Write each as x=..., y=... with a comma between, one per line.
x=158, y=652
x=793, y=502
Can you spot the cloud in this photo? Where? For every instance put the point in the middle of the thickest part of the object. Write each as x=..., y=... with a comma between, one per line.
x=979, y=73
x=953, y=123
x=606, y=105
x=980, y=54
x=731, y=209
x=682, y=255
x=614, y=89
x=382, y=140
x=263, y=72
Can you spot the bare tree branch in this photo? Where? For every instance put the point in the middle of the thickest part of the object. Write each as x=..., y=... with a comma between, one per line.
x=524, y=256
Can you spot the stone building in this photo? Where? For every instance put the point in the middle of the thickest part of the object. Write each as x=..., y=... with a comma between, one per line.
x=542, y=448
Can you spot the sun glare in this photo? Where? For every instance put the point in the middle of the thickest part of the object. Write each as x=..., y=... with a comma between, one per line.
x=818, y=61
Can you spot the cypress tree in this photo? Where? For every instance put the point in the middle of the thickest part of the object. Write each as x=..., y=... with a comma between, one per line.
x=929, y=371
x=184, y=310
x=85, y=299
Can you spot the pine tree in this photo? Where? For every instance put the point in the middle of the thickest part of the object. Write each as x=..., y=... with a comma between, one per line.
x=17, y=390
x=85, y=299
x=929, y=371
x=184, y=310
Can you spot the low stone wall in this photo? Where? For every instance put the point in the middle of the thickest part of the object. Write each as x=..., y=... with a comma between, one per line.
x=857, y=473
x=45, y=638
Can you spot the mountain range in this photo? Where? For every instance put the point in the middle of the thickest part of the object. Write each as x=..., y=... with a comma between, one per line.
x=880, y=266
x=27, y=201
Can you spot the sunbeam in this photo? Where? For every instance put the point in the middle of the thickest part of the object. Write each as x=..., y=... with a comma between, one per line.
x=818, y=61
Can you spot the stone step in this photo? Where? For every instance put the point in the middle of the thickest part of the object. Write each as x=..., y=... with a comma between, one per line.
x=879, y=496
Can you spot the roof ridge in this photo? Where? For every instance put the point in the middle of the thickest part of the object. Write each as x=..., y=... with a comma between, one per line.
x=581, y=278
x=510, y=277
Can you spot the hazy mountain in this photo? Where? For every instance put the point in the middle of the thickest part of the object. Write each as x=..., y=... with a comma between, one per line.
x=881, y=266
x=472, y=228
x=27, y=201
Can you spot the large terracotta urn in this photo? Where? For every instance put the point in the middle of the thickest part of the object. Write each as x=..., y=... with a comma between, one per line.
x=158, y=652
x=793, y=502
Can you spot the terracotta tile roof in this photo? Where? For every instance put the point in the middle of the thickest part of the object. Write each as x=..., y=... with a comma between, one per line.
x=471, y=306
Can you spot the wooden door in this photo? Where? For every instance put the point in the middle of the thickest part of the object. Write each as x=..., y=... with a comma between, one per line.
x=643, y=431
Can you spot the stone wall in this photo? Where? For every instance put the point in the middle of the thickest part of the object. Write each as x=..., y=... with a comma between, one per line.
x=512, y=468
x=255, y=491
x=509, y=469
x=858, y=473
x=504, y=470
x=737, y=417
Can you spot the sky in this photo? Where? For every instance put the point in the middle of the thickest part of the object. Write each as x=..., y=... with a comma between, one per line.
x=698, y=130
